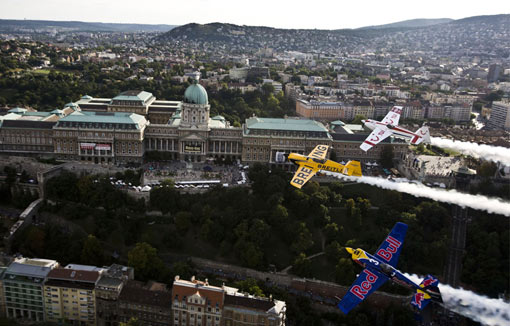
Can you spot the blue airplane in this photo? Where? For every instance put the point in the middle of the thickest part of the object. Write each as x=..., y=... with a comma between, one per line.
x=380, y=268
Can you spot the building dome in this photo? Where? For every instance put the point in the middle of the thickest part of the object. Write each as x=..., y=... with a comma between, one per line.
x=196, y=94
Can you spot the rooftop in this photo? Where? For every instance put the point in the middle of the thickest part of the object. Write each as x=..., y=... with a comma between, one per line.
x=105, y=117
x=38, y=268
x=285, y=124
x=67, y=274
x=255, y=303
x=182, y=288
x=133, y=95
x=107, y=281
x=136, y=292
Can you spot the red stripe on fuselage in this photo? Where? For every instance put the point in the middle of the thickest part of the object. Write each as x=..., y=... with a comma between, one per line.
x=369, y=143
x=404, y=131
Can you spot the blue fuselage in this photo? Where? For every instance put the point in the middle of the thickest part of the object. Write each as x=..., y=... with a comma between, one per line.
x=375, y=265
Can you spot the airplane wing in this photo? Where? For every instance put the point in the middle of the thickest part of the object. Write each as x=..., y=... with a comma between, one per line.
x=390, y=248
x=393, y=116
x=377, y=135
x=302, y=175
x=366, y=283
x=319, y=152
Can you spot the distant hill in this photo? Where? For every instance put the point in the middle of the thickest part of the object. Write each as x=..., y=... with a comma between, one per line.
x=411, y=23
x=10, y=25
x=480, y=33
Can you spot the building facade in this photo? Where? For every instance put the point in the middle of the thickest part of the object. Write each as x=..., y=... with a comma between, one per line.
x=150, y=303
x=264, y=137
x=97, y=131
x=69, y=295
x=500, y=116
x=23, y=288
x=197, y=303
x=100, y=137
x=246, y=310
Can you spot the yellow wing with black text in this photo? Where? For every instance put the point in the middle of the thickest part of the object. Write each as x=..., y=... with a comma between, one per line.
x=302, y=175
x=319, y=152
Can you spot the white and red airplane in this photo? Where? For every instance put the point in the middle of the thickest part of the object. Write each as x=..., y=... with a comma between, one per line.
x=389, y=127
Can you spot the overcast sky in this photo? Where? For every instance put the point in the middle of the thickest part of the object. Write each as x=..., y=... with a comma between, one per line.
x=320, y=14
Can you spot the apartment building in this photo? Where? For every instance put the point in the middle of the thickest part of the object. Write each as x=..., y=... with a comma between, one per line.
x=196, y=303
x=23, y=288
x=150, y=303
x=246, y=310
x=500, y=116
x=69, y=295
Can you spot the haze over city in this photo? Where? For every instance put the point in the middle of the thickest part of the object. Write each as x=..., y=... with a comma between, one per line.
x=329, y=14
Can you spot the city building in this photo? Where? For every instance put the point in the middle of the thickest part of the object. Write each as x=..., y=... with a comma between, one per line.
x=2, y=296
x=238, y=73
x=70, y=296
x=196, y=303
x=500, y=116
x=192, y=135
x=324, y=111
x=495, y=71
x=263, y=137
x=246, y=310
x=23, y=288
x=28, y=133
x=100, y=137
x=139, y=102
x=150, y=303
x=458, y=112
x=182, y=131
x=108, y=289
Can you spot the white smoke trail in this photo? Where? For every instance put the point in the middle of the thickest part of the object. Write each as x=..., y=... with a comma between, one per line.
x=487, y=152
x=491, y=205
x=487, y=311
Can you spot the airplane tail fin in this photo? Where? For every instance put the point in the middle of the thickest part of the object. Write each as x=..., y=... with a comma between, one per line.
x=423, y=135
x=352, y=168
x=430, y=292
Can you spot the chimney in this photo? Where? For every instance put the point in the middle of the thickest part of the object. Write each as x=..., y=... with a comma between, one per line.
x=193, y=279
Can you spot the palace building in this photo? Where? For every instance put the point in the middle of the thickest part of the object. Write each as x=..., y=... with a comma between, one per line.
x=134, y=124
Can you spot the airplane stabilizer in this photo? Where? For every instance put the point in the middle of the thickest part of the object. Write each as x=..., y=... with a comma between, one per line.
x=424, y=134
x=352, y=168
x=430, y=292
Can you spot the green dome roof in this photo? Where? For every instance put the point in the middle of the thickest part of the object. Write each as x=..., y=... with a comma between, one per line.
x=196, y=94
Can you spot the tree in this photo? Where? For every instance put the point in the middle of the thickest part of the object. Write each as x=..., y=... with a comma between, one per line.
x=387, y=156
x=344, y=271
x=358, y=118
x=250, y=285
x=144, y=259
x=302, y=266
x=267, y=89
x=487, y=169
x=183, y=221
x=92, y=252
x=303, y=238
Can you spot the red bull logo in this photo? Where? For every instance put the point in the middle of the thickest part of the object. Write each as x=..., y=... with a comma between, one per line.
x=419, y=297
x=393, y=245
x=362, y=290
x=428, y=281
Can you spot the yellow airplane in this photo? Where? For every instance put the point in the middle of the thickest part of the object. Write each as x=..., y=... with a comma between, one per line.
x=315, y=162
